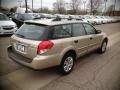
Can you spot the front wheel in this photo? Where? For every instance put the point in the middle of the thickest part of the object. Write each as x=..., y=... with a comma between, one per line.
x=67, y=63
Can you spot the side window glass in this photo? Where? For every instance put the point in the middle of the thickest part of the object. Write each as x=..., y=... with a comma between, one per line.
x=78, y=30
x=61, y=31
x=89, y=29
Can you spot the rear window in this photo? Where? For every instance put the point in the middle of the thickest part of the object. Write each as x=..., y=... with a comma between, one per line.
x=32, y=32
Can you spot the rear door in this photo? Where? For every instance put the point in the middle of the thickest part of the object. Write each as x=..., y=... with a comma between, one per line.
x=94, y=39
x=80, y=40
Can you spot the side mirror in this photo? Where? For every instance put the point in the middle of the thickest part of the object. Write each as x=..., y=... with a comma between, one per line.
x=98, y=31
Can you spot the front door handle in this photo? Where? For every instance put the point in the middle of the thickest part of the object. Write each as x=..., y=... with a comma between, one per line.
x=75, y=41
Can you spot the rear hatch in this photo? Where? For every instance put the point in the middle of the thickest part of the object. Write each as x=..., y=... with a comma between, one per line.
x=26, y=40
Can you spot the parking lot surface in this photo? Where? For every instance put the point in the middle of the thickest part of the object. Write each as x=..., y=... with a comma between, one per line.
x=91, y=72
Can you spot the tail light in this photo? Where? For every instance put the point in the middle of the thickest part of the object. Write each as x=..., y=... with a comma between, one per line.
x=44, y=46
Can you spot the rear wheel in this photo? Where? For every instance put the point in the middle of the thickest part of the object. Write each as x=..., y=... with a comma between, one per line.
x=103, y=47
x=67, y=63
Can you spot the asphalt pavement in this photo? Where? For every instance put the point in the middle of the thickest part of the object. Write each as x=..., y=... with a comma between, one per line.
x=91, y=72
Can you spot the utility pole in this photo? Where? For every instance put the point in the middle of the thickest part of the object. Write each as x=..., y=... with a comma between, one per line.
x=105, y=6
x=0, y=4
x=114, y=7
x=32, y=5
x=91, y=11
x=26, y=6
x=84, y=2
x=41, y=6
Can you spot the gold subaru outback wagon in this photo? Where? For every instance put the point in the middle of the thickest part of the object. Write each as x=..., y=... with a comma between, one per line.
x=41, y=44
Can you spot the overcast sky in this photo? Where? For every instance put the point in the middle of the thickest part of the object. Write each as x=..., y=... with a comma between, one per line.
x=37, y=3
x=46, y=3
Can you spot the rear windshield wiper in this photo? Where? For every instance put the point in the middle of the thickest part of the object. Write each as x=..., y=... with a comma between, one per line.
x=22, y=36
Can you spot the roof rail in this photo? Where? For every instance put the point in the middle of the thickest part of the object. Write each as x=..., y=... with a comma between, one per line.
x=57, y=19
x=70, y=18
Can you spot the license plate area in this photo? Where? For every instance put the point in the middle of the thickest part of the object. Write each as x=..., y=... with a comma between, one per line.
x=21, y=47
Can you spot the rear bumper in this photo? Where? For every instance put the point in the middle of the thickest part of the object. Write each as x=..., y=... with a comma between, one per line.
x=39, y=62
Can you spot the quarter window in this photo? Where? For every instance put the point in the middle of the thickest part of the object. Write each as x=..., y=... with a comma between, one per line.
x=78, y=30
x=89, y=29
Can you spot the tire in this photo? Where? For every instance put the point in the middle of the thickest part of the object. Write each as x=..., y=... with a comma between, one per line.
x=67, y=63
x=103, y=47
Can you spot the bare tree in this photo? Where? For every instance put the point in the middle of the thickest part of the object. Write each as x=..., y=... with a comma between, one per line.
x=114, y=6
x=94, y=5
x=75, y=5
x=110, y=9
x=59, y=6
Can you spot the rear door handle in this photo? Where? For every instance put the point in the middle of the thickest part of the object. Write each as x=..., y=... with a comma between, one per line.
x=75, y=41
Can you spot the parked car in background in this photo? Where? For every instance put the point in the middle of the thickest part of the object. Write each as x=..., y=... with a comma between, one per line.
x=90, y=19
x=97, y=20
x=46, y=16
x=49, y=16
x=23, y=10
x=104, y=19
x=62, y=16
x=19, y=18
x=7, y=26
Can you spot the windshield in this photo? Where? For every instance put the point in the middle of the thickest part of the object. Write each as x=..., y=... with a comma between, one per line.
x=32, y=32
x=3, y=17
